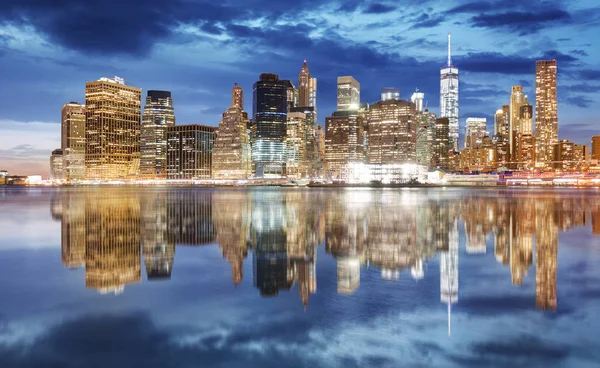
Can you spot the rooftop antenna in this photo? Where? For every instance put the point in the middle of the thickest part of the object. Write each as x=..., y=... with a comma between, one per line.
x=449, y=54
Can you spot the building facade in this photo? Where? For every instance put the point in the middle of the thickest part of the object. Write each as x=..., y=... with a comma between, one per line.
x=475, y=130
x=57, y=171
x=425, y=138
x=596, y=147
x=112, y=129
x=441, y=144
x=449, y=97
x=158, y=116
x=270, y=106
x=390, y=93
x=348, y=94
x=392, y=132
x=546, y=110
x=345, y=133
x=564, y=156
x=231, y=152
x=73, y=140
x=189, y=151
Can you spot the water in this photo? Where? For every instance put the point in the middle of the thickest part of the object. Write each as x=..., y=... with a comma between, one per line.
x=290, y=277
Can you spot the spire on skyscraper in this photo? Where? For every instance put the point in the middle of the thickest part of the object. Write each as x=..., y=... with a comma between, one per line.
x=449, y=50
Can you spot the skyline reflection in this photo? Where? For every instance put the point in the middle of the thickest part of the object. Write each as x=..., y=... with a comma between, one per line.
x=110, y=231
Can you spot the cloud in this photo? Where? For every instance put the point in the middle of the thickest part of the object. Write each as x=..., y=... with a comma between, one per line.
x=427, y=21
x=521, y=22
x=579, y=101
x=378, y=8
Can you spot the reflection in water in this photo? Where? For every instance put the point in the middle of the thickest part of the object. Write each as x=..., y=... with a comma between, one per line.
x=109, y=231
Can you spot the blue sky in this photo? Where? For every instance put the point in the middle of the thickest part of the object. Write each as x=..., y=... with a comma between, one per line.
x=198, y=49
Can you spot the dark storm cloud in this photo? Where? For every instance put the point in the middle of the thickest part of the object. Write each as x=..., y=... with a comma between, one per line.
x=522, y=22
x=494, y=62
x=378, y=8
x=111, y=26
x=579, y=101
x=588, y=74
x=427, y=21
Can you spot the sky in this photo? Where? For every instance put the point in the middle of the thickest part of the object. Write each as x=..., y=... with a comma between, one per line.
x=198, y=49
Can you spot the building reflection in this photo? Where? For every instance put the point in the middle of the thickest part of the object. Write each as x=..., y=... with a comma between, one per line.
x=110, y=231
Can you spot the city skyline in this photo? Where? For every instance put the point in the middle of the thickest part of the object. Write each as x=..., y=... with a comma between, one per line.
x=198, y=62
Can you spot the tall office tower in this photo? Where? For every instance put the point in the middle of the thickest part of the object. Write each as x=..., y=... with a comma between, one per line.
x=292, y=95
x=268, y=130
x=517, y=125
x=112, y=134
x=417, y=99
x=501, y=122
x=73, y=140
x=237, y=97
x=563, y=156
x=392, y=132
x=298, y=136
x=389, y=93
x=158, y=117
x=449, y=97
x=231, y=152
x=425, y=138
x=57, y=171
x=345, y=132
x=312, y=95
x=596, y=147
x=524, y=157
x=475, y=130
x=546, y=110
x=112, y=252
x=348, y=94
x=189, y=151
x=304, y=86
x=441, y=144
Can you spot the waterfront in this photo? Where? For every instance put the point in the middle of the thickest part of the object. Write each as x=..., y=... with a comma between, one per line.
x=299, y=277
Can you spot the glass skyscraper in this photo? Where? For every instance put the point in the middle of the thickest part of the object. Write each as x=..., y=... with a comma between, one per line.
x=158, y=117
x=269, y=109
x=348, y=94
x=449, y=97
x=546, y=114
x=73, y=140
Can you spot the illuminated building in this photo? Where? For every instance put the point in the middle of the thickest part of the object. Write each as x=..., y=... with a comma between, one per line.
x=596, y=147
x=73, y=140
x=546, y=110
x=517, y=125
x=441, y=144
x=189, y=151
x=269, y=125
x=307, y=89
x=158, y=117
x=390, y=94
x=524, y=157
x=501, y=122
x=344, y=135
x=480, y=158
x=112, y=255
x=57, y=171
x=392, y=132
x=112, y=134
x=449, y=98
x=417, y=99
x=475, y=130
x=564, y=156
x=348, y=94
x=298, y=135
x=231, y=152
x=425, y=138
x=581, y=156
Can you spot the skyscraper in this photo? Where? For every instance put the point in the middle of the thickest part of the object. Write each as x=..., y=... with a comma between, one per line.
x=425, y=138
x=189, y=151
x=158, y=117
x=449, y=97
x=441, y=144
x=390, y=93
x=519, y=121
x=348, y=94
x=596, y=147
x=231, y=153
x=112, y=129
x=73, y=140
x=546, y=114
x=475, y=130
x=269, y=125
x=501, y=122
x=304, y=86
x=417, y=99
x=298, y=133
x=392, y=132
x=344, y=136
x=56, y=165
